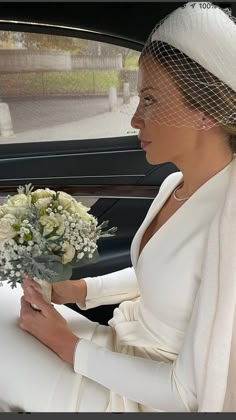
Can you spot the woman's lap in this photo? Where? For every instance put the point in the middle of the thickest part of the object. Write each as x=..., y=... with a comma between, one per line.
x=32, y=377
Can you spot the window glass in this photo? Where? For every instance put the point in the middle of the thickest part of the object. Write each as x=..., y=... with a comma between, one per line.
x=62, y=88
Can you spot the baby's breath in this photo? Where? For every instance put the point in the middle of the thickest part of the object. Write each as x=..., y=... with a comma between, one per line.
x=51, y=227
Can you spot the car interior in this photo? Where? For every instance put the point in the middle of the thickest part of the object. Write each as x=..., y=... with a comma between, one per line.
x=68, y=77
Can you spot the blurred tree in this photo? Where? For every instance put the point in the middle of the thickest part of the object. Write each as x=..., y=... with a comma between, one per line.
x=77, y=46
x=113, y=50
x=32, y=41
x=7, y=39
x=50, y=42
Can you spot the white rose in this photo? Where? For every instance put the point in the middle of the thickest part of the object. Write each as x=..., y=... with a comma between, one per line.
x=66, y=201
x=6, y=229
x=73, y=206
x=18, y=200
x=43, y=202
x=50, y=223
x=2, y=211
x=42, y=193
x=15, y=211
x=82, y=211
x=68, y=254
x=5, y=209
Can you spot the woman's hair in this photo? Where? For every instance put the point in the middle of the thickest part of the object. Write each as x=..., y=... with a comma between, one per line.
x=215, y=100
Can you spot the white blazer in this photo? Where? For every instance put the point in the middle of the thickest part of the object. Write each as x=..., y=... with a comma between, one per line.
x=177, y=308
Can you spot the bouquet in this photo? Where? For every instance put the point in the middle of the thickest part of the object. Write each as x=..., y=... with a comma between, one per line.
x=44, y=234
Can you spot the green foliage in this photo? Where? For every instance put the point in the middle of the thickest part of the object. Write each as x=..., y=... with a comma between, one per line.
x=42, y=211
x=28, y=237
x=56, y=271
x=101, y=229
x=131, y=61
x=48, y=42
x=56, y=83
x=86, y=261
x=16, y=226
x=7, y=39
x=26, y=189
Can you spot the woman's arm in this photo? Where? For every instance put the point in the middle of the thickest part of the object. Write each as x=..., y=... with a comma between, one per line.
x=110, y=288
x=120, y=285
x=161, y=385
x=93, y=291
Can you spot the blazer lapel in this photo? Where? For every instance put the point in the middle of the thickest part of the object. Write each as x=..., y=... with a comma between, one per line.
x=156, y=205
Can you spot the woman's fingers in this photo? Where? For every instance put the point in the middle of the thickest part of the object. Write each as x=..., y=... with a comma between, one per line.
x=26, y=312
x=24, y=304
x=33, y=297
x=28, y=293
x=28, y=282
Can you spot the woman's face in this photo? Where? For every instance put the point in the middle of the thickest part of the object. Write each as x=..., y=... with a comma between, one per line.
x=161, y=114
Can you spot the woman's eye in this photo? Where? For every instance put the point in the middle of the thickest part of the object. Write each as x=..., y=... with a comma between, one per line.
x=148, y=100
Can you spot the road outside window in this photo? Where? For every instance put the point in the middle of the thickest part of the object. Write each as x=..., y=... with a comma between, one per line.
x=62, y=88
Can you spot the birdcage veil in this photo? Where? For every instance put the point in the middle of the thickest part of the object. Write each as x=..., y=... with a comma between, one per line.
x=187, y=69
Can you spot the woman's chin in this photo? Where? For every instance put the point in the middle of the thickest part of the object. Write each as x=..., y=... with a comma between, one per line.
x=156, y=160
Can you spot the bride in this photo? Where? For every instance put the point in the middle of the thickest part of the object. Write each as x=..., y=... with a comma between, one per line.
x=170, y=344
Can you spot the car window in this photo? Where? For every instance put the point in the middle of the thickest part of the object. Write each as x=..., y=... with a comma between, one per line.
x=62, y=88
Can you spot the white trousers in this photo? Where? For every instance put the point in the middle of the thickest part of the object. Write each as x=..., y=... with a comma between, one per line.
x=35, y=379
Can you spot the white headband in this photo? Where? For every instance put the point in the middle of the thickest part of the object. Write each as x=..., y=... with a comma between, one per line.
x=206, y=34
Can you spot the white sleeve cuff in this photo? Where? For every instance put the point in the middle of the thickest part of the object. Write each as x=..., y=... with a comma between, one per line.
x=111, y=288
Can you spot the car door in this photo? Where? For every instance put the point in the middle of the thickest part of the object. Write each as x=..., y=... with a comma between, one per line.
x=66, y=102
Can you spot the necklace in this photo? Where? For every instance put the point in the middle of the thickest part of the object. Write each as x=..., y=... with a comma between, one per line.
x=176, y=198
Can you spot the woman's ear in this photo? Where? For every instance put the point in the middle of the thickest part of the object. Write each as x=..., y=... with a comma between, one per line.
x=207, y=122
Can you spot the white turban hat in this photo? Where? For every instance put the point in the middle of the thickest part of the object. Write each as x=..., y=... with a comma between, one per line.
x=205, y=33
x=196, y=47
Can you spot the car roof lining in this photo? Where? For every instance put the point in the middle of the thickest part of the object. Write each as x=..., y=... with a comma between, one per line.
x=107, y=17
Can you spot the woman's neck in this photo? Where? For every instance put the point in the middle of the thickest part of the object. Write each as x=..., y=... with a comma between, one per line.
x=198, y=168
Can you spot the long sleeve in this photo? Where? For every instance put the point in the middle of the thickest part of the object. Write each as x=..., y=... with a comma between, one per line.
x=197, y=379
x=118, y=286
x=111, y=288
x=161, y=385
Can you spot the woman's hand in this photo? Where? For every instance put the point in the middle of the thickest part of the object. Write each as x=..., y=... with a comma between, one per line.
x=68, y=291
x=48, y=325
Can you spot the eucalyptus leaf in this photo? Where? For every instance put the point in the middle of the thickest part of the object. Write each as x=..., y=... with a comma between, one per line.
x=87, y=261
x=53, y=263
x=64, y=272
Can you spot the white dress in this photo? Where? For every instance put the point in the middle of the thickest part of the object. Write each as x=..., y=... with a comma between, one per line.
x=142, y=361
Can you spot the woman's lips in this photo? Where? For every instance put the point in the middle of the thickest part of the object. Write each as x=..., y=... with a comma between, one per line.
x=145, y=144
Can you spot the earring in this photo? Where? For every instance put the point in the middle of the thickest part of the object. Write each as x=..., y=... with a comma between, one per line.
x=204, y=126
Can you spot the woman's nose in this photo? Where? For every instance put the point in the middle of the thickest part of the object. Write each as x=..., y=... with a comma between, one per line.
x=136, y=121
